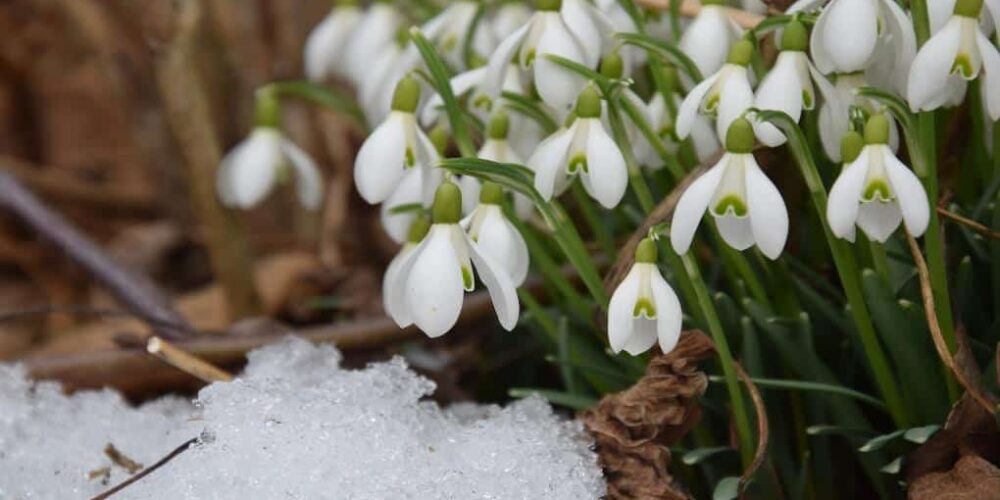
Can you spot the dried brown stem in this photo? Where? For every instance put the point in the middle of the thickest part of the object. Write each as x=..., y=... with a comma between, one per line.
x=186, y=362
x=134, y=290
x=969, y=223
x=145, y=472
x=189, y=111
x=935, y=328
x=691, y=8
x=763, y=428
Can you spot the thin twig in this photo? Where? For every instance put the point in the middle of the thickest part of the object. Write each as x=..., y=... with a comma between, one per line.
x=691, y=8
x=763, y=428
x=969, y=223
x=134, y=290
x=145, y=472
x=186, y=362
x=935, y=328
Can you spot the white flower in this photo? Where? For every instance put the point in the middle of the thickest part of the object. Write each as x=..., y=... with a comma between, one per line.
x=940, y=12
x=449, y=29
x=746, y=206
x=428, y=288
x=509, y=16
x=393, y=147
x=585, y=149
x=708, y=38
x=496, y=236
x=644, y=308
x=324, y=50
x=727, y=94
x=848, y=33
x=415, y=233
x=252, y=168
x=409, y=194
x=959, y=52
x=876, y=191
x=548, y=31
x=622, y=22
x=496, y=148
x=703, y=137
x=788, y=86
x=834, y=113
x=470, y=82
x=375, y=32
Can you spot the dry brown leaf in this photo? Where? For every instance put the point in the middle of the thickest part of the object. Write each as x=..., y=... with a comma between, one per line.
x=633, y=429
x=972, y=478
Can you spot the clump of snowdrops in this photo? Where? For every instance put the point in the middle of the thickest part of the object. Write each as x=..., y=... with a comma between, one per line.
x=796, y=154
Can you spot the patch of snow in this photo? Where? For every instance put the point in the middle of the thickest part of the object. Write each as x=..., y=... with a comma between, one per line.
x=294, y=425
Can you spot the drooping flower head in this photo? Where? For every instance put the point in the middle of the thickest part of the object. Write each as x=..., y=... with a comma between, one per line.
x=488, y=227
x=956, y=54
x=265, y=158
x=583, y=149
x=726, y=95
x=325, y=55
x=644, y=309
x=875, y=191
x=703, y=137
x=851, y=34
x=746, y=206
x=709, y=36
x=394, y=147
x=429, y=287
x=497, y=148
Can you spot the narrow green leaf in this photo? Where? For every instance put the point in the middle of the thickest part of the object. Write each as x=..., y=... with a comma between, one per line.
x=441, y=79
x=327, y=97
x=801, y=385
x=406, y=208
x=531, y=109
x=665, y=51
x=699, y=455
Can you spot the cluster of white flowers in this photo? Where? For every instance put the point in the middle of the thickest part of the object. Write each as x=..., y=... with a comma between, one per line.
x=508, y=48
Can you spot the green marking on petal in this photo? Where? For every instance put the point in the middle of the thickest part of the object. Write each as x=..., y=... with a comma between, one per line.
x=449, y=43
x=644, y=308
x=730, y=203
x=529, y=59
x=577, y=163
x=807, y=100
x=482, y=101
x=411, y=158
x=467, y=281
x=877, y=190
x=712, y=103
x=963, y=66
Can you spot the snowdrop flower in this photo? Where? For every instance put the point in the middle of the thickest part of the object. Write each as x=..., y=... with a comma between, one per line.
x=726, y=94
x=875, y=191
x=940, y=13
x=496, y=236
x=834, y=113
x=250, y=170
x=428, y=288
x=747, y=207
x=449, y=29
x=471, y=83
x=788, y=86
x=374, y=32
x=416, y=231
x=509, y=16
x=644, y=308
x=393, y=147
x=848, y=32
x=585, y=149
x=399, y=210
x=324, y=50
x=548, y=31
x=613, y=66
x=496, y=148
x=959, y=52
x=708, y=38
x=703, y=136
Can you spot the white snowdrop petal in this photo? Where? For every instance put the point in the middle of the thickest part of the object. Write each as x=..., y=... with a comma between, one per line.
x=703, y=136
x=620, y=320
x=643, y=336
x=393, y=298
x=706, y=40
x=910, y=195
x=224, y=181
x=434, y=286
x=583, y=26
x=993, y=7
x=845, y=196
x=397, y=225
x=254, y=167
x=460, y=84
x=817, y=44
x=308, y=180
x=669, y=317
x=470, y=188
x=768, y=215
x=556, y=85
x=606, y=175
x=737, y=232
x=850, y=34
x=780, y=90
x=939, y=12
x=736, y=97
x=931, y=67
x=502, y=291
x=374, y=32
x=990, y=74
x=493, y=79
x=879, y=220
x=549, y=161
x=380, y=163
x=688, y=110
x=904, y=40
x=320, y=49
x=692, y=205
x=504, y=244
